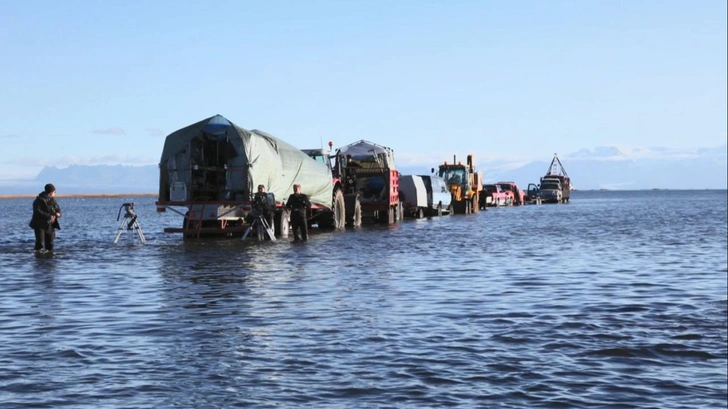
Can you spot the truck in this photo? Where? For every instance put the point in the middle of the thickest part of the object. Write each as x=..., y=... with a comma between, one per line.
x=493, y=195
x=209, y=171
x=517, y=194
x=464, y=184
x=555, y=186
x=551, y=190
x=438, y=195
x=368, y=178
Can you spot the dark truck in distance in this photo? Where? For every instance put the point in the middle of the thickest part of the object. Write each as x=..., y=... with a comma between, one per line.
x=555, y=185
x=551, y=190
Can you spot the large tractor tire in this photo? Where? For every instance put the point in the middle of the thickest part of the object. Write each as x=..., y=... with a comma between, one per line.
x=353, y=210
x=336, y=218
x=339, y=208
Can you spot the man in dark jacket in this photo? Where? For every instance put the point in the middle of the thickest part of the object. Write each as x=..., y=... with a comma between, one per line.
x=44, y=222
x=299, y=205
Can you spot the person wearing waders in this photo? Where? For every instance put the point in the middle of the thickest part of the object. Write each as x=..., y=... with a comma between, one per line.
x=44, y=222
x=299, y=205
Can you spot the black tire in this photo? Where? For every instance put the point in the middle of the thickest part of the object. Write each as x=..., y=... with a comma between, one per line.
x=336, y=217
x=353, y=207
x=459, y=207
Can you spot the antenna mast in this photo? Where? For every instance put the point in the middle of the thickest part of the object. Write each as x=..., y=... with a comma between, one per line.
x=556, y=168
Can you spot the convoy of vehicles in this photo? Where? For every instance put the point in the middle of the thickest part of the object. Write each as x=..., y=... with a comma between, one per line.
x=210, y=170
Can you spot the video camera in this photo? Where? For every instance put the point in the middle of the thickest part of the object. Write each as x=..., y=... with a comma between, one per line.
x=264, y=202
x=128, y=214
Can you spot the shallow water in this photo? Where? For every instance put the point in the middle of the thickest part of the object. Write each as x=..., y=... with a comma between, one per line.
x=616, y=300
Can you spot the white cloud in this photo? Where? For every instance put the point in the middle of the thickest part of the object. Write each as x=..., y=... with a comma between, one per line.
x=109, y=131
x=65, y=161
x=618, y=153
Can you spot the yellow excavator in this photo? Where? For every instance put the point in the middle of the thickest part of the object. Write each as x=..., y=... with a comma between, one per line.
x=464, y=183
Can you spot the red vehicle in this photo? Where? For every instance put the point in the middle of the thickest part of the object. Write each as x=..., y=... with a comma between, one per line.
x=370, y=185
x=517, y=195
x=494, y=195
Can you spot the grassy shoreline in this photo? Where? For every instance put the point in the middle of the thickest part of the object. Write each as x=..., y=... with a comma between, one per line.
x=81, y=195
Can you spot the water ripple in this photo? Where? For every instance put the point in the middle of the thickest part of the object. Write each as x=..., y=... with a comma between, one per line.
x=617, y=300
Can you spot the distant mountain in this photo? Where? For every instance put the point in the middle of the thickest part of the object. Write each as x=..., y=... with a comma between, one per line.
x=603, y=167
x=646, y=168
x=91, y=179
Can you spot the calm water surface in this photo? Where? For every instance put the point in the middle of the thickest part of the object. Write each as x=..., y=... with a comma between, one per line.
x=616, y=300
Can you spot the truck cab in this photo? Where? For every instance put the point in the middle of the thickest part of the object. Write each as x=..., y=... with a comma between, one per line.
x=551, y=190
x=438, y=196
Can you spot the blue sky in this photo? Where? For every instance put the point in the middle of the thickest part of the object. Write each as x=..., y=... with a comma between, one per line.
x=104, y=82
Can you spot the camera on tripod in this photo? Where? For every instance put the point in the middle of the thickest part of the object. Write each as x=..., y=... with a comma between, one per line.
x=130, y=222
x=263, y=202
x=128, y=214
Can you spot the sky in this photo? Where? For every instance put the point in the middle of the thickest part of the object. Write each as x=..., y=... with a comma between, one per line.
x=94, y=82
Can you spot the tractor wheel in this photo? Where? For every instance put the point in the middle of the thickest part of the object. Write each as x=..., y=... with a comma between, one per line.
x=336, y=218
x=353, y=206
x=339, y=208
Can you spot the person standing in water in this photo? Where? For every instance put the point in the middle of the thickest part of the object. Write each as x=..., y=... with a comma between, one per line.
x=44, y=222
x=299, y=205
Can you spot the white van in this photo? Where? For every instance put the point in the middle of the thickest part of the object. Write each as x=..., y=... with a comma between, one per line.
x=438, y=196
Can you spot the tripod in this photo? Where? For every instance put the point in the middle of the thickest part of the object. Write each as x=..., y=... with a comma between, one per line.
x=262, y=228
x=130, y=222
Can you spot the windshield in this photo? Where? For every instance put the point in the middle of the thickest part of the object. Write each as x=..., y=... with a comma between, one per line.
x=550, y=186
x=454, y=176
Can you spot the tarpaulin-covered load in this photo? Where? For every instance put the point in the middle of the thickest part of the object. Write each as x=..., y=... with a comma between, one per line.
x=369, y=154
x=216, y=160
